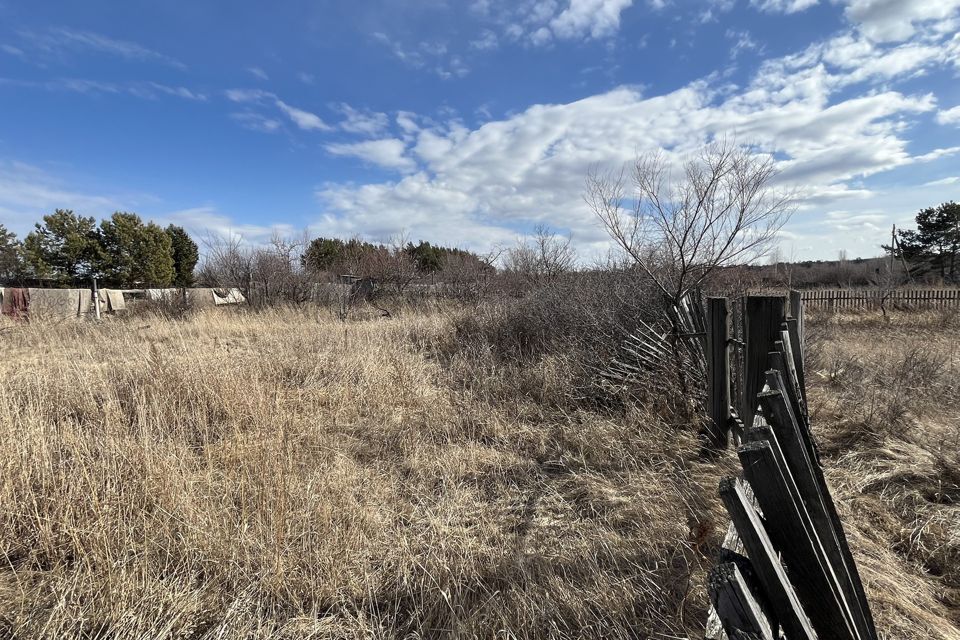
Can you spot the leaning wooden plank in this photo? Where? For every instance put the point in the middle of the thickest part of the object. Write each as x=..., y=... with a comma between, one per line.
x=784, y=602
x=868, y=629
x=776, y=410
x=796, y=348
x=792, y=534
x=796, y=304
x=777, y=360
x=784, y=347
x=762, y=318
x=735, y=602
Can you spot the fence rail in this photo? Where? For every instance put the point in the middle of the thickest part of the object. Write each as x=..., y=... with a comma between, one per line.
x=836, y=299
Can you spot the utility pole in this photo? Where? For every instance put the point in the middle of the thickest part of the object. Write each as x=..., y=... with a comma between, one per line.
x=96, y=299
x=893, y=246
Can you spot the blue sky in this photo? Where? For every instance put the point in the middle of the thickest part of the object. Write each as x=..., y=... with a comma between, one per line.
x=469, y=122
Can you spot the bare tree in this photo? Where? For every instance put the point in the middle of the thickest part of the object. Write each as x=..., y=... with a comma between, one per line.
x=278, y=273
x=227, y=262
x=544, y=257
x=469, y=277
x=721, y=210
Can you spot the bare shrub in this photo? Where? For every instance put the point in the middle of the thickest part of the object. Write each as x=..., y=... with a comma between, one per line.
x=226, y=262
x=541, y=259
x=723, y=210
x=277, y=274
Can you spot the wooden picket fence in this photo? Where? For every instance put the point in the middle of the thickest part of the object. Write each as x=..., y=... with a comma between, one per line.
x=785, y=569
x=842, y=299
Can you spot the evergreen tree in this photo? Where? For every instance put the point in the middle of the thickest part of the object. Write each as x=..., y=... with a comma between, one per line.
x=11, y=256
x=322, y=254
x=935, y=244
x=135, y=254
x=186, y=254
x=427, y=257
x=64, y=248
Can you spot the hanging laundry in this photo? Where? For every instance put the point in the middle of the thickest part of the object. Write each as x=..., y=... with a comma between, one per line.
x=16, y=303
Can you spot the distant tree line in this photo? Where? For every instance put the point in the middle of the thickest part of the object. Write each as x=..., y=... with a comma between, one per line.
x=67, y=249
x=290, y=270
x=358, y=257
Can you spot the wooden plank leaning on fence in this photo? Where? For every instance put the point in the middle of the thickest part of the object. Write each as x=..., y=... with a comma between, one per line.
x=800, y=459
x=792, y=534
x=804, y=461
x=737, y=603
x=784, y=603
x=763, y=316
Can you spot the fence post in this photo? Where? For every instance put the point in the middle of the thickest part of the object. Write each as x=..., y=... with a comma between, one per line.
x=762, y=319
x=718, y=370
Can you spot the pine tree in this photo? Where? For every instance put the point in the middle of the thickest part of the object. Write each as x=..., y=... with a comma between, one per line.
x=186, y=254
x=935, y=244
x=135, y=254
x=65, y=248
x=11, y=256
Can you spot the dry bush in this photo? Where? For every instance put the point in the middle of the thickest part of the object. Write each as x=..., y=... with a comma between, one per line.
x=584, y=314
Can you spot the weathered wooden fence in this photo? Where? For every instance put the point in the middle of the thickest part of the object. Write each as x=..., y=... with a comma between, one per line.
x=785, y=567
x=838, y=299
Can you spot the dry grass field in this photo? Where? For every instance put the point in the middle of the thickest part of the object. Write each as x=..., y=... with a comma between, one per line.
x=284, y=475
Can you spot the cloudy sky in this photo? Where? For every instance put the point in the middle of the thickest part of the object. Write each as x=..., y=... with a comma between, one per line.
x=468, y=122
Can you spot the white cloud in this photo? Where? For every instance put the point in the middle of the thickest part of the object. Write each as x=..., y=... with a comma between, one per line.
x=897, y=20
x=306, y=78
x=783, y=6
x=431, y=55
x=743, y=41
x=256, y=122
x=486, y=42
x=542, y=22
x=388, y=153
x=247, y=95
x=592, y=18
x=362, y=121
x=207, y=222
x=474, y=186
x=27, y=192
x=258, y=73
x=151, y=89
x=302, y=119
x=942, y=182
x=12, y=50
x=55, y=41
x=949, y=116
x=142, y=89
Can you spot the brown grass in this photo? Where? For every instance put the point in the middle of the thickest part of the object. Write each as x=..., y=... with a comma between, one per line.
x=284, y=475
x=885, y=396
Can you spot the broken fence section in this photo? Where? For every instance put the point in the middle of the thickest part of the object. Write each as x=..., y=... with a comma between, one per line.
x=786, y=569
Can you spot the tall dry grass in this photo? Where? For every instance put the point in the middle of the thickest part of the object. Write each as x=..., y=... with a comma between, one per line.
x=285, y=475
x=885, y=398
